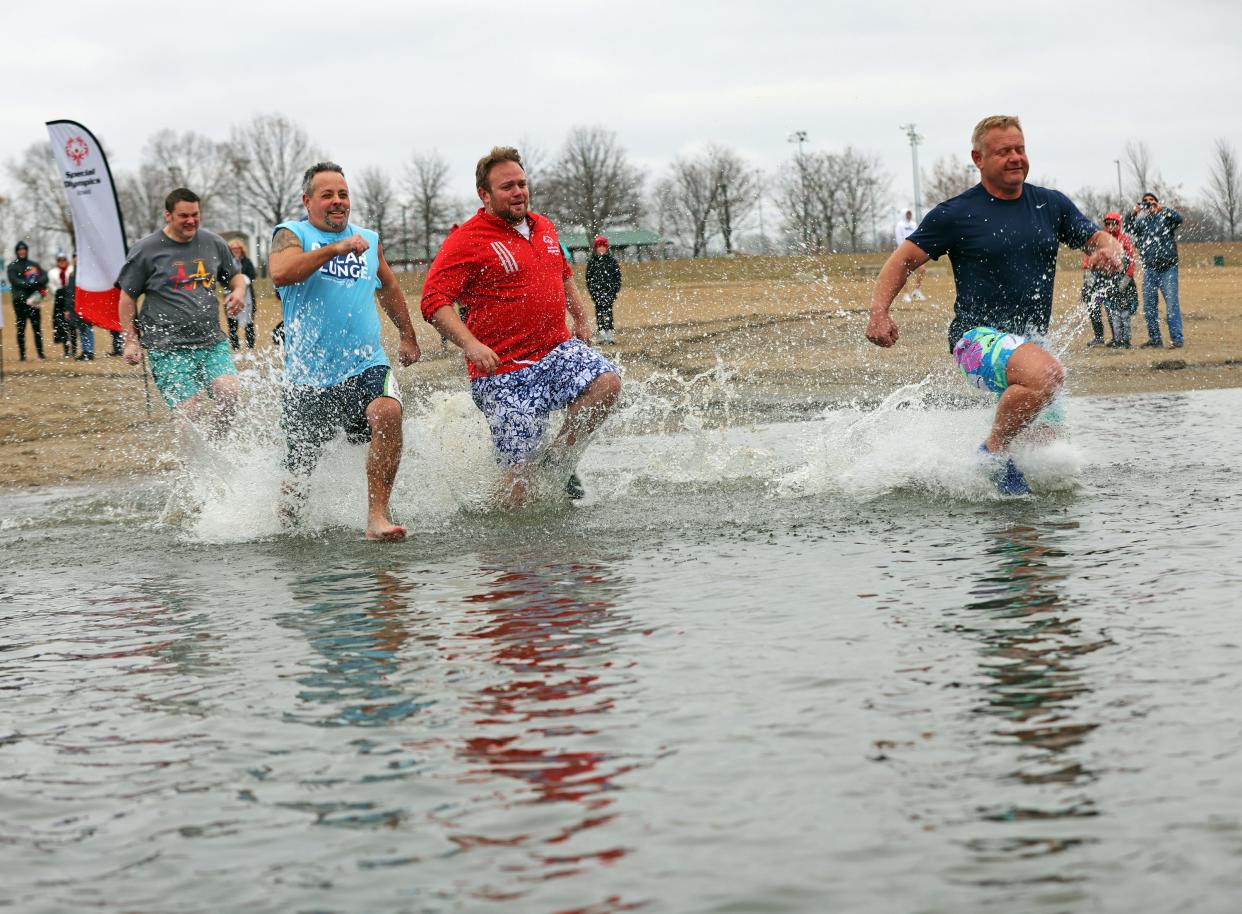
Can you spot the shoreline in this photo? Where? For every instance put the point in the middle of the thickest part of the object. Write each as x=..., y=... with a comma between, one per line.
x=786, y=332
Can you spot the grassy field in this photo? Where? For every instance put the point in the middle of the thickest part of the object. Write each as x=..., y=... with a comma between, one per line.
x=787, y=329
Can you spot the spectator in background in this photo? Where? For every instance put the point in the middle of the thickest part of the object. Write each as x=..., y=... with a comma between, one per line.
x=904, y=229
x=1153, y=226
x=64, y=330
x=246, y=318
x=603, y=279
x=86, y=332
x=1117, y=288
x=26, y=278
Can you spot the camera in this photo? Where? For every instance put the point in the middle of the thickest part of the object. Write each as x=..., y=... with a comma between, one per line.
x=1144, y=204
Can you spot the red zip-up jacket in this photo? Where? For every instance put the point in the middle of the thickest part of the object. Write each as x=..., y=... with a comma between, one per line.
x=513, y=289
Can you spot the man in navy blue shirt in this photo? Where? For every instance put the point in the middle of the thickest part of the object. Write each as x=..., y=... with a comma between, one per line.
x=1002, y=237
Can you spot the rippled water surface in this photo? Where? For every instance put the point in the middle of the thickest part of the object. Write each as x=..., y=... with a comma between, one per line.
x=805, y=667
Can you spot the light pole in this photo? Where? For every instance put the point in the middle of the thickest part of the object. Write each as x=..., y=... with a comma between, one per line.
x=799, y=137
x=915, y=139
x=405, y=237
x=1121, y=195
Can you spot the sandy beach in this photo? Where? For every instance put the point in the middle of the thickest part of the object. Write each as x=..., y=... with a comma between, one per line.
x=788, y=330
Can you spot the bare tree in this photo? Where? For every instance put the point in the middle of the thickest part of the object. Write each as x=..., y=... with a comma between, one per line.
x=805, y=204
x=1224, y=190
x=190, y=160
x=427, y=181
x=141, y=195
x=690, y=194
x=949, y=176
x=1093, y=202
x=740, y=186
x=1138, y=164
x=860, y=184
x=374, y=204
x=534, y=162
x=592, y=184
x=42, y=193
x=271, y=154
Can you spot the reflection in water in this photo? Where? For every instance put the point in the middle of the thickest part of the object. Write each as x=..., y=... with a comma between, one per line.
x=357, y=621
x=1031, y=648
x=552, y=632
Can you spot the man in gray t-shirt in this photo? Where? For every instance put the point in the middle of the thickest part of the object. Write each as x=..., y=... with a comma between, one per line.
x=175, y=271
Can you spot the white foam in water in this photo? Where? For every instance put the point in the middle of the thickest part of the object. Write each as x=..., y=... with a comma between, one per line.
x=230, y=492
x=908, y=443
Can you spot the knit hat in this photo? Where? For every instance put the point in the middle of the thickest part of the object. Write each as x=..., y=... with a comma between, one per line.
x=1112, y=217
x=599, y=239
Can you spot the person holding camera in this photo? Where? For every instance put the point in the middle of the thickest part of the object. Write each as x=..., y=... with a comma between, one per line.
x=1153, y=226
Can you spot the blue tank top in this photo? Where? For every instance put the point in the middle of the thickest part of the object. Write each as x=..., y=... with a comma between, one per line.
x=332, y=328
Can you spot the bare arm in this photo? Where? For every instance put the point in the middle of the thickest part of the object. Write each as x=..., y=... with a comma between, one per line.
x=289, y=264
x=235, y=301
x=893, y=275
x=582, y=329
x=450, y=325
x=392, y=300
x=126, y=309
x=1104, y=253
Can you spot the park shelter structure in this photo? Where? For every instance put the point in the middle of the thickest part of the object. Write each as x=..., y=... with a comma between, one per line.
x=620, y=241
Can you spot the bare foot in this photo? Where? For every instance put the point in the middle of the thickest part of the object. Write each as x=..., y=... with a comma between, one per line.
x=383, y=531
x=512, y=494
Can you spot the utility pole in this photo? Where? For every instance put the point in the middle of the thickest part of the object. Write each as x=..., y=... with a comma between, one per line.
x=915, y=139
x=1121, y=195
x=799, y=137
x=405, y=238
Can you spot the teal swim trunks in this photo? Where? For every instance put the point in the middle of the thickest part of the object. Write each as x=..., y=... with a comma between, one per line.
x=181, y=373
x=982, y=355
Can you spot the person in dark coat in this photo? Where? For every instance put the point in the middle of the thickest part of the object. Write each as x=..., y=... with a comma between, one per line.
x=603, y=277
x=64, y=331
x=246, y=318
x=27, y=279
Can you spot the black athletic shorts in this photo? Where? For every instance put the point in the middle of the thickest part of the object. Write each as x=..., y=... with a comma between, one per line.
x=310, y=416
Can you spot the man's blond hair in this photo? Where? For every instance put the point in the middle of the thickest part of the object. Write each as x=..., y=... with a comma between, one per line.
x=992, y=123
x=491, y=160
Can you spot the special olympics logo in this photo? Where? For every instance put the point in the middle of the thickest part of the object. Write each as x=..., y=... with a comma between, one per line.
x=77, y=149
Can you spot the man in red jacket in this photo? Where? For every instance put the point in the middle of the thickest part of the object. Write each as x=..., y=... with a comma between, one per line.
x=506, y=267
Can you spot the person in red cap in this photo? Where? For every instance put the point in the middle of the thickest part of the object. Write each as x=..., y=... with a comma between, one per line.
x=603, y=278
x=1116, y=292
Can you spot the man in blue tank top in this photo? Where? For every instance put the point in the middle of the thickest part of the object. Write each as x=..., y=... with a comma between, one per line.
x=329, y=274
x=1002, y=237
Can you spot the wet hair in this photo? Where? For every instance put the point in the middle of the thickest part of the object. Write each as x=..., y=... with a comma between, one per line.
x=180, y=195
x=992, y=122
x=491, y=160
x=308, y=179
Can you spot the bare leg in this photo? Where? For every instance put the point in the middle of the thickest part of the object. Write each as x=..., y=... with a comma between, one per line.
x=383, y=459
x=224, y=390
x=585, y=414
x=1034, y=376
x=582, y=417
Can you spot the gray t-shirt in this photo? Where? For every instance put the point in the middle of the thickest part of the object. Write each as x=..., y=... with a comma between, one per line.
x=178, y=281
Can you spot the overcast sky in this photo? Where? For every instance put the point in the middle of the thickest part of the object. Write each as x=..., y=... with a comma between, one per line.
x=372, y=82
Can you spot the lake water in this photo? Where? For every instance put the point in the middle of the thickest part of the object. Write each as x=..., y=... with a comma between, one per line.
x=767, y=666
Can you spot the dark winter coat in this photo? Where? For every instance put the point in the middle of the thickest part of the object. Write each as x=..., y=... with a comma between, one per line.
x=26, y=278
x=603, y=278
x=1153, y=235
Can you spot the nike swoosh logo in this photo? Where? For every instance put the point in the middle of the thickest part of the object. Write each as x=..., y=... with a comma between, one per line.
x=1040, y=205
